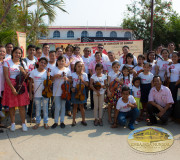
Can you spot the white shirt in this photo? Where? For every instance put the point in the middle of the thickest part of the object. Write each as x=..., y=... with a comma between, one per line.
x=86, y=63
x=122, y=107
x=136, y=92
x=43, y=55
x=175, y=72
x=57, y=91
x=163, y=67
x=7, y=57
x=121, y=59
x=13, y=68
x=38, y=78
x=30, y=64
x=109, y=65
x=101, y=80
x=146, y=79
x=104, y=57
x=113, y=75
x=127, y=80
x=50, y=66
x=138, y=68
x=153, y=68
x=76, y=80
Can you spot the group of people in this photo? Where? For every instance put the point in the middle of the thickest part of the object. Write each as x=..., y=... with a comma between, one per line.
x=139, y=88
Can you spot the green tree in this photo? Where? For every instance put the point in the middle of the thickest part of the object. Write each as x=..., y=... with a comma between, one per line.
x=138, y=18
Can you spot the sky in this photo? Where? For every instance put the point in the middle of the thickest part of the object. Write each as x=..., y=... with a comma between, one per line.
x=95, y=12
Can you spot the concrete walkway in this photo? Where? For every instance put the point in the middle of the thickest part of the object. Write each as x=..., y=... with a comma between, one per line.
x=79, y=142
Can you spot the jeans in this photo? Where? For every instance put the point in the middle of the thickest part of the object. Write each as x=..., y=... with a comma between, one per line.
x=59, y=107
x=44, y=101
x=132, y=114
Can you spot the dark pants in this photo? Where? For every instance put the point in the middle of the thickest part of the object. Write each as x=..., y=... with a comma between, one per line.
x=68, y=105
x=132, y=114
x=31, y=109
x=174, y=90
x=152, y=110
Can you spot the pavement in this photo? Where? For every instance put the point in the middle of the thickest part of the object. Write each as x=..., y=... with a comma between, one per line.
x=80, y=142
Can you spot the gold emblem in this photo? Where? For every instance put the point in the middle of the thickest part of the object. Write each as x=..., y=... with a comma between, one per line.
x=150, y=139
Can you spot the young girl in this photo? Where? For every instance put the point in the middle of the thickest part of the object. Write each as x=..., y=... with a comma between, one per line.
x=81, y=78
x=59, y=74
x=98, y=94
x=152, y=61
x=146, y=79
x=113, y=77
x=126, y=77
x=136, y=92
x=129, y=63
x=59, y=52
x=139, y=67
x=11, y=97
x=174, y=75
x=38, y=76
x=2, y=55
x=68, y=54
x=163, y=64
x=76, y=57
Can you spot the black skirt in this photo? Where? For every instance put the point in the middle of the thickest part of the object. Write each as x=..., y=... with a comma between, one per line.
x=145, y=89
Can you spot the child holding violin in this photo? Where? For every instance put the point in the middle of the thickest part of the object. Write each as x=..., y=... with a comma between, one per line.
x=98, y=83
x=15, y=91
x=60, y=76
x=114, y=88
x=78, y=97
x=38, y=76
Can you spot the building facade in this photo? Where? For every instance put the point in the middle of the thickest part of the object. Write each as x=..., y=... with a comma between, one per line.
x=72, y=34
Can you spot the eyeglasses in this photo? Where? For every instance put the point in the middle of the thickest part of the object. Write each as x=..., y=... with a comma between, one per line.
x=100, y=47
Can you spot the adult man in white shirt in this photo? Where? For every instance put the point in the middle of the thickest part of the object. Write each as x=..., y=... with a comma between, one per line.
x=100, y=49
x=122, y=59
x=45, y=50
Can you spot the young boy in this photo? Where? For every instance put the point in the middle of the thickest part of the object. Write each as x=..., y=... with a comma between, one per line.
x=38, y=53
x=30, y=60
x=38, y=76
x=52, y=60
x=126, y=107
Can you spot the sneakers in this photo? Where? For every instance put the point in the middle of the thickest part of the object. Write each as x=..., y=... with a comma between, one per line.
x=13, y=127
x=62, y=125
x=131, y=127
x=2, y=114
x=24, y=127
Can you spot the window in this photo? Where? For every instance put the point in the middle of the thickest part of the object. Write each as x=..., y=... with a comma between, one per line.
x=99, y=34
x=70, y=34
x=84, y=34
x=56, y=34
x=128, y=35
x=113, y=34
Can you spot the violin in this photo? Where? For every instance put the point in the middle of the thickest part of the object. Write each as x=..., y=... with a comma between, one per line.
x=114, y=85
x=79, y=91
x=20, y=79
x=65, y=90
x=167, y=79
x=97, y=86
x=47, y=91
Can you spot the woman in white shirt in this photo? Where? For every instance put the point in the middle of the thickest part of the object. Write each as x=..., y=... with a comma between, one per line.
x=11, y=97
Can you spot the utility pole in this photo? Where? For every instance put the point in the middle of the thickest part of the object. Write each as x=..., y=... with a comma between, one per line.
x=152, y=15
